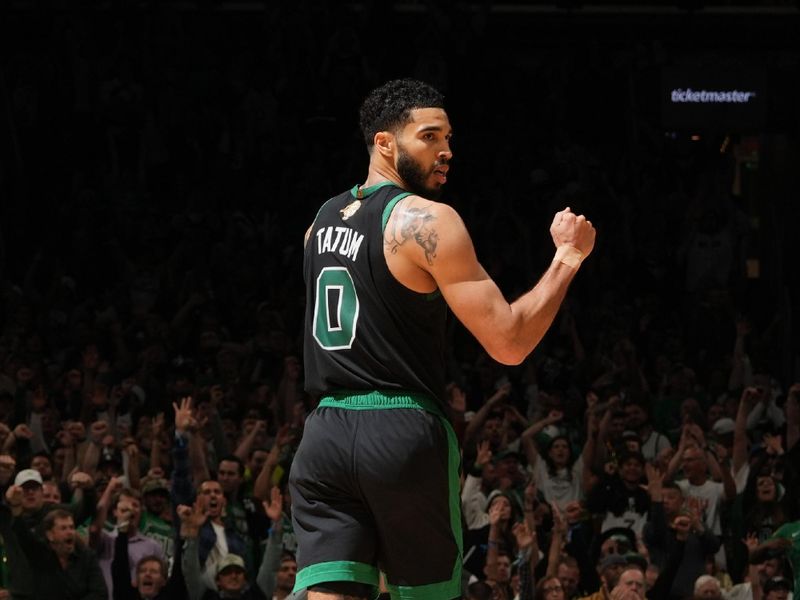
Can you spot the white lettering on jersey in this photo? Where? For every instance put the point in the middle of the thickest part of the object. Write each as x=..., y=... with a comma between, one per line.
x=346, y=241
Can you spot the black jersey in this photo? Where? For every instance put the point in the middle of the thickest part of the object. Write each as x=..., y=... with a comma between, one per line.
x=365, y=330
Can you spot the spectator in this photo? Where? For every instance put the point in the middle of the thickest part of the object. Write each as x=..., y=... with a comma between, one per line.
x=480, y=480
x=498, y=574
x=569, y=574
x=638, y=419
x=231, y=576
x=65, y=569
x=696, y=460
x=631, y=584
x=156, y=522
x=669, y=524
x=550, y=588
x=619, y=498
x=495, y=536
x=242, y=510
x=126, y=507
x=558, y=472
x=787, y=537
x=609, y=569
x=34, y=507
x=150, y=581
x=707, y=587
x=777, y=588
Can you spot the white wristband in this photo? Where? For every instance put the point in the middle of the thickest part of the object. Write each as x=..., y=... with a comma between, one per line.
x=569, y=255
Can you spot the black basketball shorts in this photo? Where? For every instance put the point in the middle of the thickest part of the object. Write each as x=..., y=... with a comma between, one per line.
x=375, y=487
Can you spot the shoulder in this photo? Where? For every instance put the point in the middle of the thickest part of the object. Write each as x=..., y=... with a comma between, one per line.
x=150, y=543
x=428, y=233
x=415, y=212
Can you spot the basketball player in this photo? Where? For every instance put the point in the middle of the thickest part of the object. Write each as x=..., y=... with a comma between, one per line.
x=374, y=484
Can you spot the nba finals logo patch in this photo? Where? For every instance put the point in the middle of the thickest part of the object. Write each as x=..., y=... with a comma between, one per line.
x=349, y=210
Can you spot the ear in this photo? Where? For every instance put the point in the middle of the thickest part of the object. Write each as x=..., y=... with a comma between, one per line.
x=385, y=143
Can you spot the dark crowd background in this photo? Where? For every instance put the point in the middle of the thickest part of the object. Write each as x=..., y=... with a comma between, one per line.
x=160, y=162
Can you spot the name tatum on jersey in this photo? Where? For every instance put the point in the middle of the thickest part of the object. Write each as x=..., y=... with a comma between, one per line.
x=342, y=239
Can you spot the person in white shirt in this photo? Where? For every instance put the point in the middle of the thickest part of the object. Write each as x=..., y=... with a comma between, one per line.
x=558, y=474
x=697, y=462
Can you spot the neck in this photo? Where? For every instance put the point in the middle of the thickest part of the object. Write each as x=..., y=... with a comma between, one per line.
x=697, y=479
x=380, y=173
x=644, y=431
x=164, y=514
x=63, y=559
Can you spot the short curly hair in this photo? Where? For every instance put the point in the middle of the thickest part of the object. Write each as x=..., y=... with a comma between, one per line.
x=388, y=107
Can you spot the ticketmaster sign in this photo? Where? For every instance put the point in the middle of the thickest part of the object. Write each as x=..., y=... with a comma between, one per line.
x=713, y=99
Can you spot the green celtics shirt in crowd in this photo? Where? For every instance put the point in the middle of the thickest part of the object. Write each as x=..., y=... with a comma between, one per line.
x=159, y=530
x=791, y=532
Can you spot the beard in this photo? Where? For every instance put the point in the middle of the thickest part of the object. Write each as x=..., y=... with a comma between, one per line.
x=414, y=176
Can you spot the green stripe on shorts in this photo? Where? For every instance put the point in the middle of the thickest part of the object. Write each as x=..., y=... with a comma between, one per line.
x=340, y=570
x=444, y=590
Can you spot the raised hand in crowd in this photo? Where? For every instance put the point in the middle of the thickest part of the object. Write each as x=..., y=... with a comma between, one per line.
x=682, y=524
x=22, y=431
x=773, y=444
x=80, y=481
x=484, y=454
x=192, y=518
x=525, y=537
x=185, y=421
x=274, y=507
x=695, y=509
x=8, y=466
x=655, y=481
x=14, y=499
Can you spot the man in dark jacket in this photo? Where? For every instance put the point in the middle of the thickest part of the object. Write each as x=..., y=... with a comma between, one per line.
x=65, y=569
x=668, y=522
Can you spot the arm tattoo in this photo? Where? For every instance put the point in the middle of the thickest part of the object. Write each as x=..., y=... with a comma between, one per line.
x=416, y=224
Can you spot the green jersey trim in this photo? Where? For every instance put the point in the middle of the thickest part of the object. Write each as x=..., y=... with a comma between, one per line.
x=367, y=191
x=390, y=207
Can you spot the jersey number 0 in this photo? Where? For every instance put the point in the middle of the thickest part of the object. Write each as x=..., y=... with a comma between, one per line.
x=335, y=309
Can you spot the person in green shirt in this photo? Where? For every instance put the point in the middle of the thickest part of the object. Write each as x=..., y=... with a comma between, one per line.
x=788, y=537
x=156, y=521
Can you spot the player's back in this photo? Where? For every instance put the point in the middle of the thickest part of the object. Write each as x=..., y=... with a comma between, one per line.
x=364, y=330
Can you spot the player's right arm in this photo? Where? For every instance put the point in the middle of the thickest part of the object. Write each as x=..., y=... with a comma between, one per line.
x=435, y=239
